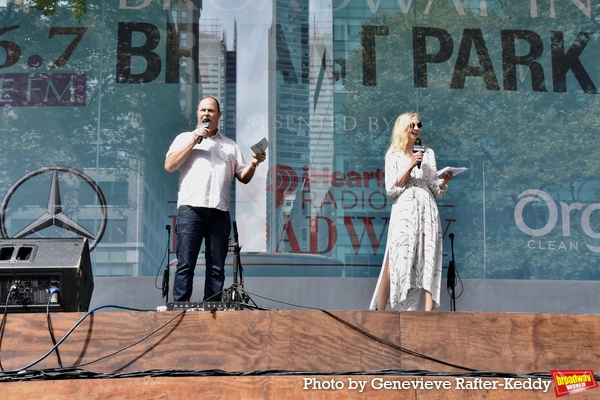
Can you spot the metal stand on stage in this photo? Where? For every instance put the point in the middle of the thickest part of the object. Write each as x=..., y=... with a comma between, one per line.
x=452, y=277
x=234, y=298
x=165, y=281
x=236, y=294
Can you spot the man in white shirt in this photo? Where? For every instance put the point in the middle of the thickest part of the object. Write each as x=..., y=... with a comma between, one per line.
x=208, y=162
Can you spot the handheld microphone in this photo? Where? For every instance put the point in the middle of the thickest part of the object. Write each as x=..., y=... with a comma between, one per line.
x=205, y=123
x=418, y=147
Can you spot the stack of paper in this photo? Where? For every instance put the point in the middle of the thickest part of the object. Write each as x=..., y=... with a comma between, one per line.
x=455, y=170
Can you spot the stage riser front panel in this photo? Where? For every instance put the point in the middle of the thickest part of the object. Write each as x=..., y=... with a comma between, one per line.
x=307, y=341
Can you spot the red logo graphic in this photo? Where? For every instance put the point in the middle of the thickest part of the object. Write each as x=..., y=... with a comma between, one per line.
x=572, y=381
x=283, y=182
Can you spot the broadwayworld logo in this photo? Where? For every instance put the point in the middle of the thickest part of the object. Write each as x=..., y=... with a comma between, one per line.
x=572, y=381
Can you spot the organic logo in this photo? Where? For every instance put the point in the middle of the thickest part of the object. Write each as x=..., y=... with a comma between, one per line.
x=54, y=215
x=529, y=196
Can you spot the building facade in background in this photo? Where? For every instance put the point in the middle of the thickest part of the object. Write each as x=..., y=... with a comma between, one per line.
x=506, y=89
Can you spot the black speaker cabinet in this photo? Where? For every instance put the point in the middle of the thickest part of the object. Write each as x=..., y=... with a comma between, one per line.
x=40, y=274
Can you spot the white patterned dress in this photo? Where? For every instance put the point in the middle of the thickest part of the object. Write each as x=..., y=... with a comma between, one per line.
x=414, y=244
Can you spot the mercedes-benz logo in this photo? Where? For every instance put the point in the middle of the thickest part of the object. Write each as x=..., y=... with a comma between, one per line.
x=54, y=214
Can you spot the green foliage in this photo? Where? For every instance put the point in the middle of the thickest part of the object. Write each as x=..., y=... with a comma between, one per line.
x=511, y=141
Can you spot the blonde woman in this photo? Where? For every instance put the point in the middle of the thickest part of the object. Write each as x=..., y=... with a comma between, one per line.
x=411, y=273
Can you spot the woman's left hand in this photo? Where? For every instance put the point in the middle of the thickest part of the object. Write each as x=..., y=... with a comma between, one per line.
x=447, y=176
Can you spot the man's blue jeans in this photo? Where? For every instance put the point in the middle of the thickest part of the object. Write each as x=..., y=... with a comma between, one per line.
x=195, y=224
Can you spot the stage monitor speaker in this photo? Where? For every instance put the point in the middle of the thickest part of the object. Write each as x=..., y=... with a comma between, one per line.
x=37, y=274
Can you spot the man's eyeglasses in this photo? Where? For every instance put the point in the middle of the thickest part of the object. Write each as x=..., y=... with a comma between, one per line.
x=418, y=124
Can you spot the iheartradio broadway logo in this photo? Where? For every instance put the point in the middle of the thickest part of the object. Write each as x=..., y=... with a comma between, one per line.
x=283, y=182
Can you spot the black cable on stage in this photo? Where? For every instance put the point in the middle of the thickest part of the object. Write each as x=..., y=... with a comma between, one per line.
x=72, y=329
x=211, y=298
x=165, y=282
x=232, y=292
x=158, y=271
x=24, y=373
x=452, y=277
x=393, y=345
x=49, y=324
x=3, y=322
x=166, y=274
x=75, y=373
x=134, y=343
x=380, y=340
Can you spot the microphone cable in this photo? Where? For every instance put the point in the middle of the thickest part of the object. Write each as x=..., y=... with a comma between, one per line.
x=51, y=292
x=25, y=374
x=12, y=288
x=373, y=337
x=165, y=282
x=451, y=279
x=57, y=344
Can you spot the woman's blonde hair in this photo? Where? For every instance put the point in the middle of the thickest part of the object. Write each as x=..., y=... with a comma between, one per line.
x=402, y=128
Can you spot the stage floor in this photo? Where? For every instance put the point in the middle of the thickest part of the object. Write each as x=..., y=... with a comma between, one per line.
x=294, y=354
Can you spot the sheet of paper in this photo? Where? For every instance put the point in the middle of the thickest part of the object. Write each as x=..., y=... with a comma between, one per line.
x=455, y=170
x=260, y=146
